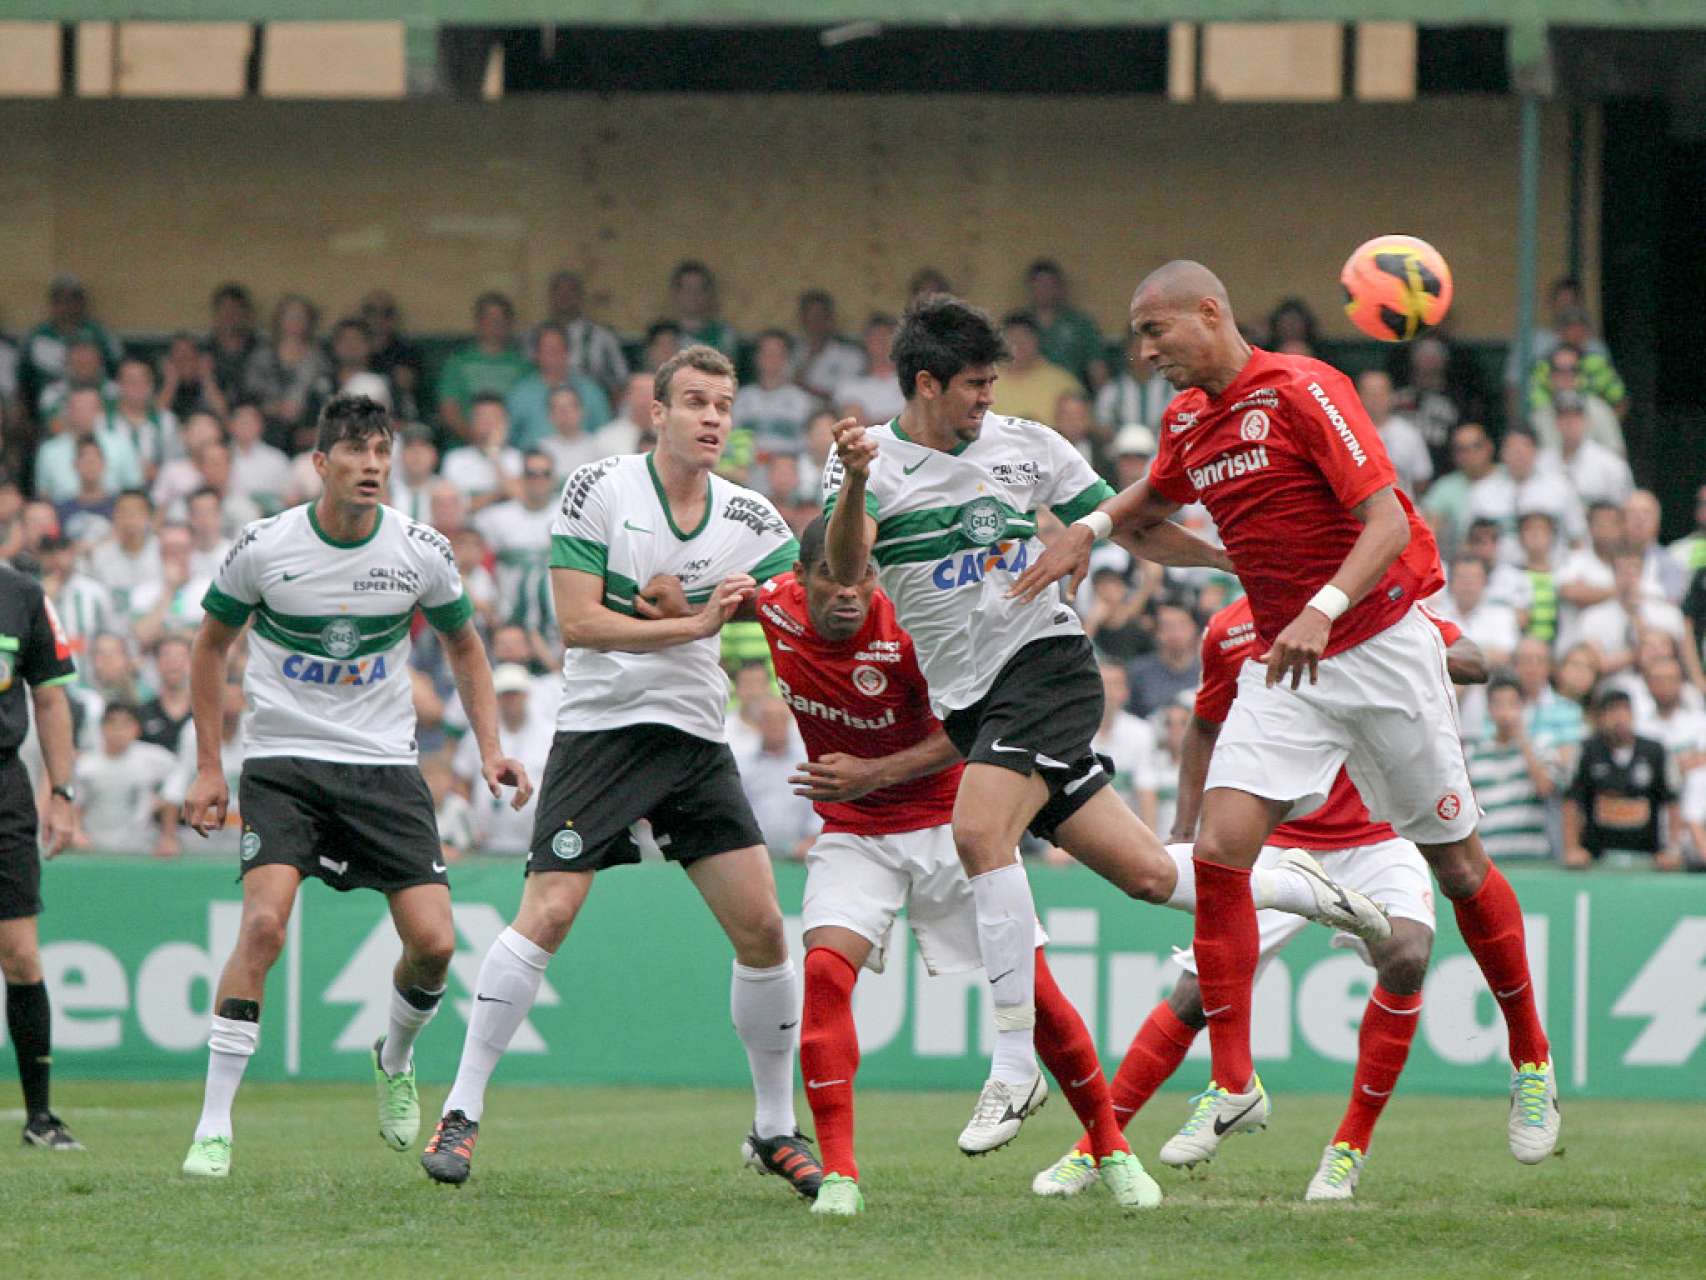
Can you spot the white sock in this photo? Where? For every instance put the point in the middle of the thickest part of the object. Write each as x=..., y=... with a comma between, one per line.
x=1184, y=896
x=765, y=1005
x=1006, y=936
x=407, y=1021
x=1282, y=890
x=503, y=993
x=230, y=1045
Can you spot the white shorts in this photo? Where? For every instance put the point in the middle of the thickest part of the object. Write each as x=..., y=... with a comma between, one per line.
x=862, y=882
x=1392, y=873
x=1383, y=709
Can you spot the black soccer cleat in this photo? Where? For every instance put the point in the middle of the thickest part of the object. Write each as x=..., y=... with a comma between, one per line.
x=449, y=1154
x=788, y=1157
x=48, y=1131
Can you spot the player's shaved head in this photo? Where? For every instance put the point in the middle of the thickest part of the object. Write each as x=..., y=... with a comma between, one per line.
x=1179, y=285
x=1183, y=320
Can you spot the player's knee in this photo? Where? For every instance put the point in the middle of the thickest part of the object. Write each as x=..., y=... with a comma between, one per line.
x=980, y=844
x=1185, y=1001
x=430, y=953
x=20, y=964
x=1403, y=966
x=760, y=941
x=1459, y=867
x=262, y=934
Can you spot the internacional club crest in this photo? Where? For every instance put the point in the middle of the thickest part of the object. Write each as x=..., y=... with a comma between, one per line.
x=869, y=681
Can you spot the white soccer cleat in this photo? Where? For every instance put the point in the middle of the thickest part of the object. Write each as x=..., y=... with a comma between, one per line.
x=1535, y=1118
x=1336, y=906
x=1001, y=1109
x=1336, y=1179
x=1216, y=1114
x=1073, y=1172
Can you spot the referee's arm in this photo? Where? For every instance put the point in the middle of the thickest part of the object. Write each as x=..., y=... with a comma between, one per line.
x=53, y=727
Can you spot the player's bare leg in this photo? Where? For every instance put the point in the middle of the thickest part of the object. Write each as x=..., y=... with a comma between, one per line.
x=504, y=993
x=829, y=1060
x=422, y=916
x=269, y=895
x=764, y=1002
x=1383, y=1045
x=1490, y=919
x=991, y=812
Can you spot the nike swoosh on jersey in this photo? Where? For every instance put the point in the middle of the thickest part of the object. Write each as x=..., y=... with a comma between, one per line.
x=906, y=471
x=634, y=528
x=292, y=577
x=784, y=646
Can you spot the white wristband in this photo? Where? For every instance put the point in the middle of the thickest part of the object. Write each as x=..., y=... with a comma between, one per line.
x=1330, y=601
x=1099, y=523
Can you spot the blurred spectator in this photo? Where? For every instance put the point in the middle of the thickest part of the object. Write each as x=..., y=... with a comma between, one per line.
x=875, y=394
x=1428, y=398
x=1623, y=790
x=173, y=602
x=187, y=382
x=569, y=445
x=751, y=687
x=1030, y=386
x=118, y=787
x=1130, y=743
x=773, y=411
x=820, y=440
x=1169, y=748
x=1505, y=583
x=1075, y=420
x=1689, y=552
x=414, y=473
x=1404, y=444
x=1614, y=627
x=1116, y=620
x=226, y=840
x=1585, y=578
x=112, y=671
x=1512, y=776
x=394, y=356
x=56, y=459
x=205, y=512
x=259, y=472
x=635, y=416
x=487, y=469
x=350, y=372
x=1136, y=394
x=164, y=716
x=130, y=560
x=594, y=350
x=1157, y=679
x=1664, y=579
x=821, y=359
x=1552, y=717
x=1489, y=623
x=85, y=366
x=1598, y=473
x=214, y=465
x=451, y=811
x=1528, y=480
x=788, y=821
x=518, y=533
x=1291, y=322
x=182, y=476
x=693, y=296
x=525, y=732
x=284, y=371
x=470, y=551
x=1595, y=374
x=86, y=516
x=1667, y=718
x=230, y=342
x=84, y=607
x=1446, y=503
x=1068, y=337
x=488, y=366
x=1603, y=427
x=42, y=355
x=663, y=341
x=1133, y=450
x=529, y=400
x=447, y=508
x=1538, y=605
x=926, y=281
x=151, y=430
x=1564, y=298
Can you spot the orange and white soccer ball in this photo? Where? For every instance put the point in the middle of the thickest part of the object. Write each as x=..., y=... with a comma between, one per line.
x=1396, y=287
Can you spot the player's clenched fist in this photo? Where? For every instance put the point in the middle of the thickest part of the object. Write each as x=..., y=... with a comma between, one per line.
x=206, y=801
x=732, y=592
x=1298, y=649
x=854, y=447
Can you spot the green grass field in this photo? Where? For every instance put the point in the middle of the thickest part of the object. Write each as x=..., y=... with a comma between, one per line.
x=646, y=1182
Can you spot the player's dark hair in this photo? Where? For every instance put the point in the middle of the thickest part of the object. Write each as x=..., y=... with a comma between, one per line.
x=812, y=539
x=352, y=418
x=941, y=335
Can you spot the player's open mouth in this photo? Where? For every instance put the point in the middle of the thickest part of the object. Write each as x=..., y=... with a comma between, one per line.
x=710, y=441
x=367, y=488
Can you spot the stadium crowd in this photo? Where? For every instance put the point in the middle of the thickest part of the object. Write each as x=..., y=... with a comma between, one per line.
x=126, y=470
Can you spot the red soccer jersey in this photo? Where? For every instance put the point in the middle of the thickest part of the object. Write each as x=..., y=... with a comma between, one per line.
x=1343, y=822
x=864, y=697
x=1279, y=459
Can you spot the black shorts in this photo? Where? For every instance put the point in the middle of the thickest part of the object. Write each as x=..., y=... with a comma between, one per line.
x=601, y=782
x=355, y=826
x=1041, y=716
x=20, y=856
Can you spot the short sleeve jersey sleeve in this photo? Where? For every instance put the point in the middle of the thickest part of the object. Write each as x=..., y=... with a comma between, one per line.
x=833, y=477
x=1336, y=430
x=768, y=544
x=1073, y=488
x=235, y=589
x=44, y=657
x=1219, y=674
x=442, y=599
x=580, y=535
x=1166, y=470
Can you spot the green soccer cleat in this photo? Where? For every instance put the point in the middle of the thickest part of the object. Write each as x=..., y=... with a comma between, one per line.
x=1336, y=1179
x=839, y=1197
x=399, y=1103
x=1131, y=1187
x=1067, y=1176
x=209, y=1158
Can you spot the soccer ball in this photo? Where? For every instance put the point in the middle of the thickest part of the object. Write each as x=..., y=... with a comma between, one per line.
x=1396, y=287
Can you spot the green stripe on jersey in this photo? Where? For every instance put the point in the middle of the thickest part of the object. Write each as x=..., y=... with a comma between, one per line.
x=233, y=613
x=341, y=636
x=619, y=593
x=778, y=561
x=1082, y=505
x=582, y=554
x=936, y=532
x=870, y=504
x=449, y=617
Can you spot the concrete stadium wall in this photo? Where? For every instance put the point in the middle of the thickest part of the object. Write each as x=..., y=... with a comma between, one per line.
x=155, y=202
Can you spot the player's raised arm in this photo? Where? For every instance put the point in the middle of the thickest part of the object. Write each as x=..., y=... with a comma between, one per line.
x=473, y=674
x=852, y=527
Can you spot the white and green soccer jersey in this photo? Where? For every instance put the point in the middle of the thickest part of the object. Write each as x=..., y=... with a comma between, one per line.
x=954, y=530
x=328, y=675
x=614, y=522
x=521, y=541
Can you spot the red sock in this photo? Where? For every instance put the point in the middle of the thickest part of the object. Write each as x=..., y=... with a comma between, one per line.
x=1491, y=923
x=1156, y=1051
x=1226, y=948
x=1388, y=1024
x=1064, y=1045
x=829, y=1056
